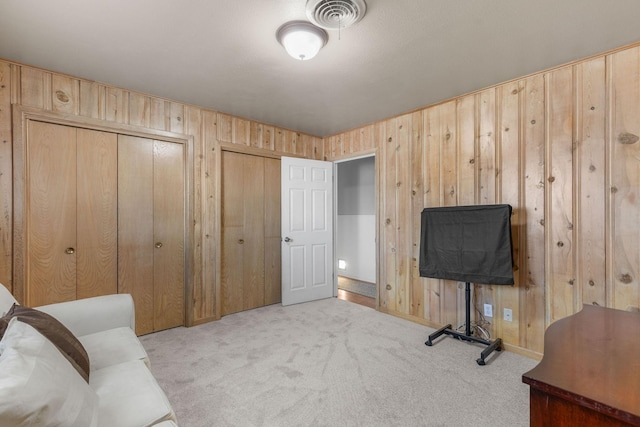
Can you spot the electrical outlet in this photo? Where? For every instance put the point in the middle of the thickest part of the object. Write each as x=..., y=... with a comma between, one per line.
x=508, y=315
x=488, y=310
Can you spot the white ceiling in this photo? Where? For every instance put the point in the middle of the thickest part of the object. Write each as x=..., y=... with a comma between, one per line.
x=223, y=54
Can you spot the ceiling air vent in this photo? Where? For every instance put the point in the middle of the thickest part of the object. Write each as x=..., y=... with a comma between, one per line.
x=335, y=14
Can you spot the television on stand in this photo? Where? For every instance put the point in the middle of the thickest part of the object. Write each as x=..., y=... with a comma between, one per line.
x=470, y=244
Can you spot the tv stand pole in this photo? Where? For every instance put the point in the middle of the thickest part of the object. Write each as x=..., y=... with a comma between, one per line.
x=466, y=336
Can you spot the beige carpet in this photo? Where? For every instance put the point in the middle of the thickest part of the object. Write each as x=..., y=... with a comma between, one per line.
x=332, y=363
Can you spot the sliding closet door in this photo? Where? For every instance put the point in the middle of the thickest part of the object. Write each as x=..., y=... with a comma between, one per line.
x=272, y=235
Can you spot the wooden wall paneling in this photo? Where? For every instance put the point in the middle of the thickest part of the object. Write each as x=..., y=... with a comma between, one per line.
x=467, y=159
x=560, y=276
x=225, y=128
x=116, y=105
x=272, y=234
x=176, y=118
x=403, y=213
x=509, y=183
x=194, y=126
x=533, y=137
x=6, y=178
x=624, y=149
x=388, y=289
x=278, y=141
x=206, y=298
x=91, y=99
x=32, y=87
x=417, y=204
x=51, y=205
x=97, y=213
x=168, y=234
x=432, y=197
x=139, y=110
x=590, y=182
x=157, y=114
x=449, y=197
x=135, y=227
x=241, y=131
x=65, y=94
x=296, y=144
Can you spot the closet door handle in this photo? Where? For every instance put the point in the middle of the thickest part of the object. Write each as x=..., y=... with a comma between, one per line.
x=288, y=239
x=69, y=251
x=158, y=245
x=241, y=241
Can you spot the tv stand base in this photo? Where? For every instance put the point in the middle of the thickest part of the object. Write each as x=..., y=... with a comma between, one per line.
x=447, y=330
x=495, y=345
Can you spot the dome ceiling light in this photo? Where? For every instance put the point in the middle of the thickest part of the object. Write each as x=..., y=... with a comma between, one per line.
x=302, y=40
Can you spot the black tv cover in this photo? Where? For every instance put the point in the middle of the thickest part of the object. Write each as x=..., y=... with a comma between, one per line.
x=467, y=244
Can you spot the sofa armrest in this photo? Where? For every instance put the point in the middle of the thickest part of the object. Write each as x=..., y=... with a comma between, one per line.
x=90, y=315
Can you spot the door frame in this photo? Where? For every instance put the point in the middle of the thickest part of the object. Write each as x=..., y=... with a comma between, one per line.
x=20, y=118
x=365, y=154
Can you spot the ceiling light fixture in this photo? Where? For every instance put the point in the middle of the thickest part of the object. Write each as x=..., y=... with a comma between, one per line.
x=302, y=40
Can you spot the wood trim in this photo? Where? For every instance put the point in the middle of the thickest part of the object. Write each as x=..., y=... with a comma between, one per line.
x=252, y=151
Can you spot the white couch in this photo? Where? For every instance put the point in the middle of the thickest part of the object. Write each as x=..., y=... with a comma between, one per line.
x=38, y=386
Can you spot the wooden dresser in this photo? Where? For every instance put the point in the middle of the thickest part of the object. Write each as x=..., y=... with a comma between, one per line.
x=590, y=372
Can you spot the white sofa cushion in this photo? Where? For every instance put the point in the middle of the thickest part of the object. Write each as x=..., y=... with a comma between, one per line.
x=129, y=396
x=113, y=346
x=6, y=300
x=38, y=385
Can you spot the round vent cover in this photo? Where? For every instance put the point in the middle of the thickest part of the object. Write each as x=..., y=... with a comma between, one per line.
x=335, y=14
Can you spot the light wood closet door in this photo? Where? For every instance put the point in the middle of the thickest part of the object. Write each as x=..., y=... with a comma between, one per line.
x=71, y=214
x=250, y=228
x=151, y=221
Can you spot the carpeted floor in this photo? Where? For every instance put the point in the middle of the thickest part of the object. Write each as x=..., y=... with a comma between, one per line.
x=332, y=363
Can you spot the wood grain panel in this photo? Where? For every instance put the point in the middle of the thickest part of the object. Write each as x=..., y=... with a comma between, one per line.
x=232, y=271
x=449, y=291
x=32, y=87
x=432, y=197
x=509, y=183
x=253, y=246
x=559, y=195
x=135, y=227
x=194, y=123
x=205, y=299
x=6, y=178
x=168, y=234
x=416, y=297
x=65, y=94
x=624, y=149
x=97, y=213
x=272, y=233
x=403, y=213
x=51, y=205
x=388, y=290
x=590, y=183
x=91, y=100
x=116, y=105
x=533, y=137
x=139, y=110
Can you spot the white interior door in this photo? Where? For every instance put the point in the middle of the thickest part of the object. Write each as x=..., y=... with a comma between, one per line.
x=307, y=230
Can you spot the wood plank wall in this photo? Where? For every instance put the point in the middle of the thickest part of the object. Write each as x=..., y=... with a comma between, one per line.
x=50, y=91
x=562, y=148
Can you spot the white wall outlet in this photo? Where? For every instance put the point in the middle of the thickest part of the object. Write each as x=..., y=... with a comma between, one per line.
x=488, y=310
x=508, y=315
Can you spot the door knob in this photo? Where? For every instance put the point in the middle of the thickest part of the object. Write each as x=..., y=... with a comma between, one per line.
x=241, y=241
x=69, y=251
x=288, y=239
x=158, y=245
